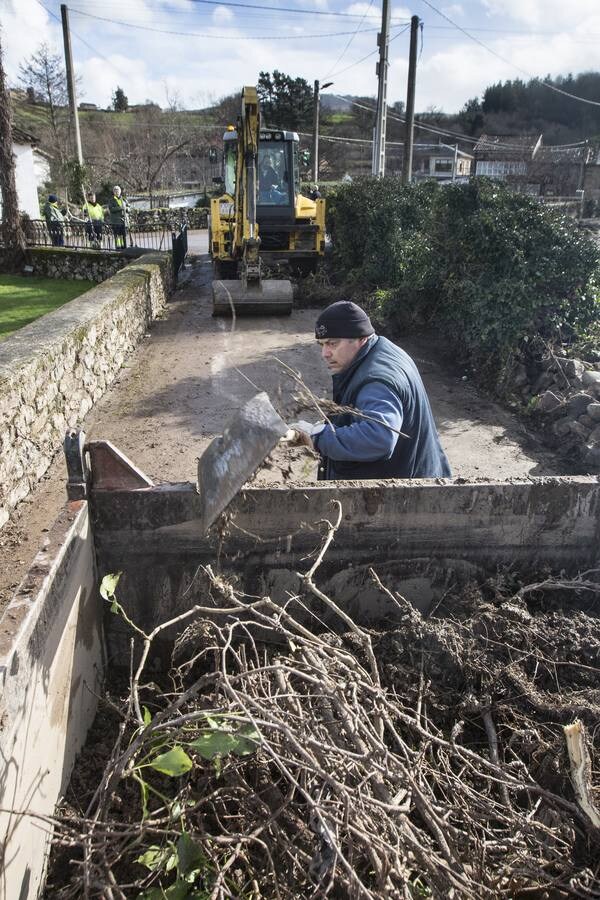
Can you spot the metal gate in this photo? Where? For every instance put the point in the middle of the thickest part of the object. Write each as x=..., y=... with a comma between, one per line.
x=180, y=246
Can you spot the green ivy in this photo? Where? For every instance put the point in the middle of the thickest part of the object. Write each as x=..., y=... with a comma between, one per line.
x=490, y=267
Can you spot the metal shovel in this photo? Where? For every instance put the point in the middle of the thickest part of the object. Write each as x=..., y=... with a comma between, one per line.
x=230, y=459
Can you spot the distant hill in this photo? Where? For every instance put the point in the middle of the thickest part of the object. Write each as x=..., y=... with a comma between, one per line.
x=332, y=103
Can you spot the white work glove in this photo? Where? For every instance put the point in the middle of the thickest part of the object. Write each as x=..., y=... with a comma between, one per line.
x=301, y=432
x=307, y=427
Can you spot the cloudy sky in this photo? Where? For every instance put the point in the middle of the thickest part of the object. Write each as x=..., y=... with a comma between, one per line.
x=197, y=51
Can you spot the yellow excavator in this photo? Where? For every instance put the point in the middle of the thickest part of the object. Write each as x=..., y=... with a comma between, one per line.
x=261, y=217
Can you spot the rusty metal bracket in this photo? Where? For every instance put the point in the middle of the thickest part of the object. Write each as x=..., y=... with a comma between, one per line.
x=111, y=470
x=77, y=470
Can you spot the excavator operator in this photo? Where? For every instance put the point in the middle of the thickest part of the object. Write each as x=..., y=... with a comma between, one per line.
x=267, y=176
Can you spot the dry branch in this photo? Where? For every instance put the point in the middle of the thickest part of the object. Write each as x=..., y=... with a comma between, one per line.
x=379, y=770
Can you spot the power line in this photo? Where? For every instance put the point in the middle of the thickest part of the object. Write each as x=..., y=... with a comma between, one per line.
x=452, y=134
x=507, y=61
x=83, y=41
x=279, y=9
x=372, y=53
x=343, y=53
x=224, y=37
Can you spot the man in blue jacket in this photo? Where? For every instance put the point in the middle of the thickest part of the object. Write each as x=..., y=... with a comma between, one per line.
x=382, y=382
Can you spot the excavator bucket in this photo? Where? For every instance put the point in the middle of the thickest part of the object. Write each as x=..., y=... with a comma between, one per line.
x=230, y=459
x=268, y=297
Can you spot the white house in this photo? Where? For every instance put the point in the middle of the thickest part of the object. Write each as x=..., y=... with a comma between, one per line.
x=31, y=170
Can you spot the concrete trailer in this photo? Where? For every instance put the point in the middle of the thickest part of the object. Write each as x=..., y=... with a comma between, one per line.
x=57, y=640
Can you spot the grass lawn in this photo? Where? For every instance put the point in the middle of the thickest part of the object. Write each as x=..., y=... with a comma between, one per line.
x=22, y=300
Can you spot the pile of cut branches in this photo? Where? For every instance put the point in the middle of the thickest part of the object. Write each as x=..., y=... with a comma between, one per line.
x=442, y=757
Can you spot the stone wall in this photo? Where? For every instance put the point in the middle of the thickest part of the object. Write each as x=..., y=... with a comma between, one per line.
x=563, y=394
x=75, y=265
x=54, y=370
x=171, y=217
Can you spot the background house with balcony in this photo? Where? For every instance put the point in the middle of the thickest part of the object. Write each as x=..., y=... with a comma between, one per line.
x=530, y=167
x=560, y=171
x=507, y=158
x=444, y=162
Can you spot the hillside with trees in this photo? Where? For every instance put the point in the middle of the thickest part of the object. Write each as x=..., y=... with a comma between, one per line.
x=152, y=149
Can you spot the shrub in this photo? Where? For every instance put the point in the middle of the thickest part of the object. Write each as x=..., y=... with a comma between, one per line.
x=489, y=266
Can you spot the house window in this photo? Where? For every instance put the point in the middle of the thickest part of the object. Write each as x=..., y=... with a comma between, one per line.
x=442, y=166
x=500, y=168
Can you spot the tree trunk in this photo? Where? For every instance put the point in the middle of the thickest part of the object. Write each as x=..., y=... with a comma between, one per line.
x=12, y=233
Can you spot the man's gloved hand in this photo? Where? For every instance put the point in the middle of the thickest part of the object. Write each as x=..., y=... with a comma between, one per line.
x=308, y=427
x=295, y=436
x=301, y=433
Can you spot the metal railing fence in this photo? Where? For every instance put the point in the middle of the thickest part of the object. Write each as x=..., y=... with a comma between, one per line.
x=94, y=236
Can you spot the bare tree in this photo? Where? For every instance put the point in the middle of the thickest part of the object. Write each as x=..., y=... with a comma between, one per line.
x=12, y=233
x=144, y=150
x=45, y=75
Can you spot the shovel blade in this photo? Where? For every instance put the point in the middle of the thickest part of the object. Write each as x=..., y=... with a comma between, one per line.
x=230, y=459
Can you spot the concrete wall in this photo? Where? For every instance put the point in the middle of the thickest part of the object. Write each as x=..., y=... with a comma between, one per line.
x=51, y=668
x=420, y=535
x=54, y=370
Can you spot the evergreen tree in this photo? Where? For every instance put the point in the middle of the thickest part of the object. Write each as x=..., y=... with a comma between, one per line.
x=119, y=101
x=286, y=102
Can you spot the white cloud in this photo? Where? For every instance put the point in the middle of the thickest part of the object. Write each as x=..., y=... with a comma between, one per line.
x=26, y=25
x=451, y=69
x=361, y=9
x=456, y=10
x=552, y=14
x=222, y=15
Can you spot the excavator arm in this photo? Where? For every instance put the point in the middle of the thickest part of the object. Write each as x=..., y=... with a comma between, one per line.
x=246, y=196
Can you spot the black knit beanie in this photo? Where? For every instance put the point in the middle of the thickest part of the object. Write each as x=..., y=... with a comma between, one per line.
x=343, y=319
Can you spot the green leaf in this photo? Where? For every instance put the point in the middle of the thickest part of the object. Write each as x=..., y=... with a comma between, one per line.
x=175, y=811
x=174, y=762
x=178, y=891
x=248, y=739
x=214, y=743
x=191, y=858
x=154, y=857
x=108, y=585
x=147, y=716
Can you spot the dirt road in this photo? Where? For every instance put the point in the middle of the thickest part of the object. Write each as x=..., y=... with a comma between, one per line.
x=192, y=372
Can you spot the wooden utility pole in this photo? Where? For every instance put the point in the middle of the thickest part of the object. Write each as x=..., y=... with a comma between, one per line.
x=378, y=158
x=12, y=232
x=410, y=102
x=64, y=13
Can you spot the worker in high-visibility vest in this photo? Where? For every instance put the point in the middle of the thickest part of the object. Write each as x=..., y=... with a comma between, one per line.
x=55, y=221
x=118, y=209
x=95, y=215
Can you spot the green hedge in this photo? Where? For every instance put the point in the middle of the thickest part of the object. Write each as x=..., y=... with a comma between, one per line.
x=488, y=266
